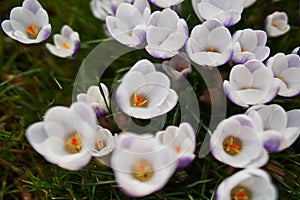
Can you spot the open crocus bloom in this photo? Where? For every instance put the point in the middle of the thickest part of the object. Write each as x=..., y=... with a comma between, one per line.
x=166, y=3
x=210, y=44
x=233, y=142
x=144, y=92
x=141, y=164
x=276, y=128
x=251, y=83
x=166, y=34
x=105, y=142
x=249, y=44
x=286, y=68
x=181, y=140
x=66, y=44
x=276, y=24
x=247, y=184
x=129, y=25
x=178, y=67
x=103, y=8
x=227, y=11
x=66, y=136
x=96, y=100
x=28, y=24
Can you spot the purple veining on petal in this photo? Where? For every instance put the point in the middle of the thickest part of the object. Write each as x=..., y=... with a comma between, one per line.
x=229, y=22
x=114, y=9
x=47, y=33
x=184, y=162
x=100, y=113
x=272, y=145
x=77, y=45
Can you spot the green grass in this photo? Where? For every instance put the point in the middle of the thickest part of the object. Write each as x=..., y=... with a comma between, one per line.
x=32, y=80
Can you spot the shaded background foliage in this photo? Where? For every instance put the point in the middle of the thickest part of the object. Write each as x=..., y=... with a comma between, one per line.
x=32, y=80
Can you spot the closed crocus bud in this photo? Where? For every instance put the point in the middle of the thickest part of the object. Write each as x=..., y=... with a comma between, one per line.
x=166, y=34
x=129, y=25
x=145, y=93
x=210, y=44
x=228, y=12
x=94, y=97
x=66, y=137
x=249, y=44
x=166, y=3
x=66, y=44
x=28, y=24
x=103, y=8
x=247, y=184
x=141, y=164
x=181, y=141
x=286, y=69
x=233, y=142
x=251, y=83
x=276, y=24
x=276, y=128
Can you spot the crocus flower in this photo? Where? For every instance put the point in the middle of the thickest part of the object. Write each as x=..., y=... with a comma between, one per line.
x=96, y=100
x=233, y=142
x=247, y=184
x=210, y=44
x=248, y=3
x=105, y=142
x=141, y=164
x=249, y=44
x=276, y=128
x=179, y=66
x=28, y=24
x=103, y=8
x=251, y=83
x=129, y=25
x=66, y=44
x=166, y=34
x=181, y=140
x=66, y=136
x=286, y=69
x=166, y=3
x=227, y=11
x=276, y=24
x=145, y=93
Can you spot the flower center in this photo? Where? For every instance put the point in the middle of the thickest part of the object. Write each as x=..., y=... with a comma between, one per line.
x=243, y=49
x=211, y=50
x=100, y=145
x=232, y=145
x=73, y=143
x=137, y=100
x=180, y=68
x=275, y=25
x=142, y=171
x=32, y=31
x=177, y=149
x=240, y=193
x=65, y=45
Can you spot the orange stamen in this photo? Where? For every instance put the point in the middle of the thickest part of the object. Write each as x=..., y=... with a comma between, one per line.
x=180, y=68
x=211, y=50
x=74, y=141
x=32, y=31
x=177, y=149
x=66, y=45
x=275, y=25
x=243, y=49
x=100, y=144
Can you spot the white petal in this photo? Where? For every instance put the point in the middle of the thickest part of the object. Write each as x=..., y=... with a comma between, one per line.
x=36, y=135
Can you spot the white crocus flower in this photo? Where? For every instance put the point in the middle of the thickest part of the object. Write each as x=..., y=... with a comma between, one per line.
x=28, y=24
x=96, y=99
x=286, y=68
x=178, y=67
x=166, y=3
x=210, y=44
x=129, y=25
x=276, y=128
x=66, y=137
x=276, y=24
x=233, y=142
x=66, y=44
x=227, y=11
x=166, y=34
x=144, y=92
x=247, y=184
x=181, y=140
x=141, y=164
x=249, y=44
x=251, y=83
x=103, y=8
x=248, y=3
